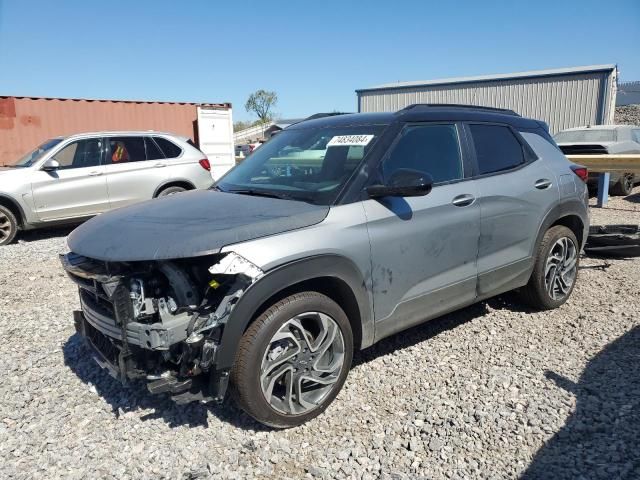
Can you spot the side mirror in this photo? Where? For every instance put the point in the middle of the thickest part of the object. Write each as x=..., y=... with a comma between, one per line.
x=50, y=165
x=403, y=183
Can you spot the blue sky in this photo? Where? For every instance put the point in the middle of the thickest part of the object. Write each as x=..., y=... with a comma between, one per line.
x=313, y=54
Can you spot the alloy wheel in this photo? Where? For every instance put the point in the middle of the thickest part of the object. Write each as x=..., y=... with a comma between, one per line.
x=5, y=227
x=302, y=362
x=561, y=268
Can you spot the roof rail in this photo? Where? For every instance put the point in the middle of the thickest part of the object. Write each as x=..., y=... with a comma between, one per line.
x=322, y=115
x=505, y=111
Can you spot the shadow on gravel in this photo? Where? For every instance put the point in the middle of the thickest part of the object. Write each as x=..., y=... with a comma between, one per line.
x=634, y=198
x=432, y=328
x=44, y=233
x=602, y=438
x=135, y=397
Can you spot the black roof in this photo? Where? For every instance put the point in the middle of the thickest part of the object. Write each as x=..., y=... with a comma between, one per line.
x=424, y=112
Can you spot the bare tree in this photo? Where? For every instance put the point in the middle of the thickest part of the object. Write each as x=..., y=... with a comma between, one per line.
x=262, y=103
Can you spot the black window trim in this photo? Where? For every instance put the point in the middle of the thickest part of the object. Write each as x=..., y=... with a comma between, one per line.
x=462, y=148
x=528, y=153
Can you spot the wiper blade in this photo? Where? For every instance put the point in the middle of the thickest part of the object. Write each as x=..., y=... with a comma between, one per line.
x=259, y=193
x=269, y=194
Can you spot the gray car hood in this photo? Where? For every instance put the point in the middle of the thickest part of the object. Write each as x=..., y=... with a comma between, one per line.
x=188, y=224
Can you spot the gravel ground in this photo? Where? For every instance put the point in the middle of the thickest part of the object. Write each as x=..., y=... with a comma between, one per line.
x=627, y=115
x=493, y=391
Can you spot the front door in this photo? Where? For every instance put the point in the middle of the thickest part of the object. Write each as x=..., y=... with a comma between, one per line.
x=423, y=249
x=78, y=188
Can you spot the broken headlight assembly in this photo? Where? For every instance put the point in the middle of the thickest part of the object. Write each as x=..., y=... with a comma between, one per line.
x=161, y=321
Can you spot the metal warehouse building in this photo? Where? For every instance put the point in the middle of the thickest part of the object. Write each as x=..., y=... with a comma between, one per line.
x=564, y=98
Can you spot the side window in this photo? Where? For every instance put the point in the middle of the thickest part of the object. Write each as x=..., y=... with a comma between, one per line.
x=433, y=149
x=126, y=149
x=80, y=154
x=636, y=135
x=153, y=152
x=170, y=149
x=496, y=147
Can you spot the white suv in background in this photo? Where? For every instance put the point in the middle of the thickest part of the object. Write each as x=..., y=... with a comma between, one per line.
x=68, y=179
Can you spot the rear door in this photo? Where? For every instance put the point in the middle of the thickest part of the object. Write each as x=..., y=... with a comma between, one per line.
x=135, y=168
x=423, y=249
x=516, y=191
x=78, y=188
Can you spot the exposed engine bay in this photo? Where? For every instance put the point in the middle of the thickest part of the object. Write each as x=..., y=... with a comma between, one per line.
x=160, y=320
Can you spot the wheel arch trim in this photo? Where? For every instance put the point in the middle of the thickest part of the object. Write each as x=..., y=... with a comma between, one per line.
x=174, y=182
x=284, y=277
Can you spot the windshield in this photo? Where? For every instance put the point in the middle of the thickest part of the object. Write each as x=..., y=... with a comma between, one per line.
x=309, y=164
x=34, y=155
x=590, y=135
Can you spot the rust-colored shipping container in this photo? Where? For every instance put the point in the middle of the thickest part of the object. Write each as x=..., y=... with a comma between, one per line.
x=26, y=122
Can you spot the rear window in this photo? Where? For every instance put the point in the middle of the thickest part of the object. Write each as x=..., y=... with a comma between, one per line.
x=590, y=135
x=497, y=148
x=170, y=149
x=126, y=149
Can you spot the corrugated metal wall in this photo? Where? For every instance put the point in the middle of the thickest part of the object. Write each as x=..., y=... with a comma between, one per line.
x=27, y=122
x=563, y=101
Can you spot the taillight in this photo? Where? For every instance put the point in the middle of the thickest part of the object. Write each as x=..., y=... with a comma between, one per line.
x=580, y=171
x=204, y=163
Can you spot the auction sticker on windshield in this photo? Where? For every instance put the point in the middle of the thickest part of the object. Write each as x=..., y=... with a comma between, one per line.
x=350, y=140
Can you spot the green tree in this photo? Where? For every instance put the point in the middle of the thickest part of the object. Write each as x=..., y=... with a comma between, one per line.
x=262, y=103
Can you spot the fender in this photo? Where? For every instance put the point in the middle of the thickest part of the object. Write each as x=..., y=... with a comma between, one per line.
x=22, y=220
x=566, y=208
x=286, y=276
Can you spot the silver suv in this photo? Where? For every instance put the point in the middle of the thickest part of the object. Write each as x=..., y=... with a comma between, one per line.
x=66, y=180
x=336, y=233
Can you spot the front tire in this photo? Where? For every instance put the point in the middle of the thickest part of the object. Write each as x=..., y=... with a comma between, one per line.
x=555, y=270
x=293, y=360
x=8, y=226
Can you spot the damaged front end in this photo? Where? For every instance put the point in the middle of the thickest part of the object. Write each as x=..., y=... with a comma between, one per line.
x=161, y=321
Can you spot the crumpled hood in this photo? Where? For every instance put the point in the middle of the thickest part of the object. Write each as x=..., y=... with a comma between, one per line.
x=188, y=224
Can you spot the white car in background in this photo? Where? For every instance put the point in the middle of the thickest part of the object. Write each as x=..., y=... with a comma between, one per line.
x=603, y=139
x=69, y=179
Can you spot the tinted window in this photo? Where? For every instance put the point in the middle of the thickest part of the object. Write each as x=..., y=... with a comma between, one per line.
x=153, y=152
x=497, y=148
x=126, y=149
x=433, y=149
x=170, y=149
x=80, y=154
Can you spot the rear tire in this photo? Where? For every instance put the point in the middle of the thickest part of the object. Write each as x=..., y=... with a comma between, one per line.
x=8, y=226
x=624, y=186
x=555, y=270
x=293, y=360
x=171, y=191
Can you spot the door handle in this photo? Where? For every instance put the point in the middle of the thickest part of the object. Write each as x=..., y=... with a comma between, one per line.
x=159, y=164
x=95, y=173
x=542, y=184
x=463, y=200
